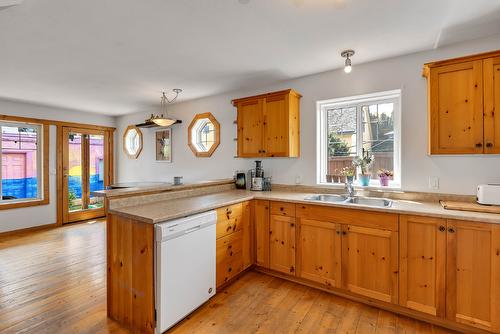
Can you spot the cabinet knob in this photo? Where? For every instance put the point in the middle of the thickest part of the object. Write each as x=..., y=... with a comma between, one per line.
x=338, y=232
x=451, y=230
x=479, y=145
x=442, y=228
x=344, y=232
x=489, y=144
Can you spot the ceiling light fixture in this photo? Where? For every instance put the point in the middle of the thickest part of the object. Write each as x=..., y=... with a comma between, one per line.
x=347, y=54
x=163, y=119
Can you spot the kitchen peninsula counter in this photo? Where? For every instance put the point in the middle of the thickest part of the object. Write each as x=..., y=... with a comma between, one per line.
x=157, y=212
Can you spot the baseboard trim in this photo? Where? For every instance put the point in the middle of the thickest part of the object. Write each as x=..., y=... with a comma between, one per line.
x=28, y=230
x=378, y=304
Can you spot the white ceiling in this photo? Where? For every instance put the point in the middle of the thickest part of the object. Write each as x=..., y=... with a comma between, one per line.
x=116, y=56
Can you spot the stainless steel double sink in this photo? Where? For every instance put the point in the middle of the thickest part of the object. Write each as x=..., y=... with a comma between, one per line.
x=344, y=199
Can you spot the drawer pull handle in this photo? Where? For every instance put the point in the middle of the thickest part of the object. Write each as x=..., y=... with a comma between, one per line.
x=442, y=228
x=451, y=230
x=282, y=208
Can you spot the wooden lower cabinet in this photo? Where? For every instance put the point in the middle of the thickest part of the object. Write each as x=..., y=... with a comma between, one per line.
x=473, y=274
x=422, y=261
x=319, y=252
x=234, y=237
x=370, y=262
x=261, y=222
x=282, y=244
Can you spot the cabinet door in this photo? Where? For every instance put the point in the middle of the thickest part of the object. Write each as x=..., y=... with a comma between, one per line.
x=456, y=108
x=319, y=252
x=473, y=274
x=276, y=126
x=261, y=221
x=248, y=231
x=282, y=244
x=370, y=262
x=229, y=257
x=422, y=263
x=492, y=104
x=250, y=132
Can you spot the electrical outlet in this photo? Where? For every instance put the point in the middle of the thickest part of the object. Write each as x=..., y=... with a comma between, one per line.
x=434, y=182
x=297, y=179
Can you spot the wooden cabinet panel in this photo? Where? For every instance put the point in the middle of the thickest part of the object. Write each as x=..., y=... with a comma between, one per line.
x=228, y=268
x=319, y=252
x=370, y=219
x=275, y=129
x=261, y=220
x=456, y=108
x=491, y=69
x=229, y=212
x=250, y=132
x=268, y=124
x=422, y=243
x=282, y=244
x=248, y=232
x=370, y=262
x=283, y=209
x=473, y=274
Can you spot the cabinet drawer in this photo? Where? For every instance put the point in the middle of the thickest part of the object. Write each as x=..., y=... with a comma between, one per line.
x=229, y=212
x=229, y=246
x=229, y=268
x=283, y=209
x=227, y=227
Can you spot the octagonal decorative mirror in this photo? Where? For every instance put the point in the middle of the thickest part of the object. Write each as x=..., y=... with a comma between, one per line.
x=132, y=142
x=204, y=135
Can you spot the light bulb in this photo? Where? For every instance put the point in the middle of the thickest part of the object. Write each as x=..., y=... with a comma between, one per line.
x=348, y=69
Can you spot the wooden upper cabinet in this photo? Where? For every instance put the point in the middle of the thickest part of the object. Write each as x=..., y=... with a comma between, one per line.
x=491, y=69
x=473, y=274
x=462, y=94
x=422, y=244
x=268, y=125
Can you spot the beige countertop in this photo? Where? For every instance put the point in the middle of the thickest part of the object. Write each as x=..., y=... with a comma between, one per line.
x=157, y=212
x=153, y=187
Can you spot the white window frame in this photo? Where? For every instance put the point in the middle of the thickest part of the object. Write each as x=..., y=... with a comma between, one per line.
x=393, y=96
x=39, y=161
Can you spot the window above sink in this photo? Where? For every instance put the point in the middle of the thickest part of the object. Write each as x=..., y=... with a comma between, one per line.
x=349, y=126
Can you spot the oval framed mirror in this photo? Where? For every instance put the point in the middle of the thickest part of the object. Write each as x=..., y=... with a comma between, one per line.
x=132, y=142
x=204, y=135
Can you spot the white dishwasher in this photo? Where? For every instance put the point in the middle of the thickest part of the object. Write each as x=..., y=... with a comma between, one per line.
x=185, y=267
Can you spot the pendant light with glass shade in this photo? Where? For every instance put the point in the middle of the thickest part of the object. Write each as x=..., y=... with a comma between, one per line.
x=347, y=54
x=162, y=119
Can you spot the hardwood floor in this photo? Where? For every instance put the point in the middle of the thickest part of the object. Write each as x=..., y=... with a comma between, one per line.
x=53, y=281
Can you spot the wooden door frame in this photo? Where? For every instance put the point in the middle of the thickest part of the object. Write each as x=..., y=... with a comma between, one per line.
x=62, y=218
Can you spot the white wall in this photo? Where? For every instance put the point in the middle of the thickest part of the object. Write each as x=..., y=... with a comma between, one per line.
x=16, y=219
x=457, y=174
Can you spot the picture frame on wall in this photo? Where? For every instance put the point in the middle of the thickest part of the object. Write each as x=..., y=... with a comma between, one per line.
x=163, y=143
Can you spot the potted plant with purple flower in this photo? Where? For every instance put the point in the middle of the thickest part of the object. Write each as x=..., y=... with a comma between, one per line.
x=363, y=163
x=384, y=176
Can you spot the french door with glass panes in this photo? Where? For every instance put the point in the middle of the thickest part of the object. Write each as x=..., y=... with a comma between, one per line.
x=85, y=170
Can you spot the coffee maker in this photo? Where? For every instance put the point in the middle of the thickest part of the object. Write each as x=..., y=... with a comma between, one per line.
x=258, y=182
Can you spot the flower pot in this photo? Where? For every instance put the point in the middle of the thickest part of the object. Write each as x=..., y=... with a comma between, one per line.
x=329, y=178
x=364, y=179
x=384, y=180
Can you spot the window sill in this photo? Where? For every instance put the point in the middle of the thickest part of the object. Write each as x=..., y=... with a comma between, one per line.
x=8, y=205
x=372, y=187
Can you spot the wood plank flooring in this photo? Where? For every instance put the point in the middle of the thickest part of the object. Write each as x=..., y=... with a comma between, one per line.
x=53, y=281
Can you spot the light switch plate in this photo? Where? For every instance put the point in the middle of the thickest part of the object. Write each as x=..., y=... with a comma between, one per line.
x=434, y=182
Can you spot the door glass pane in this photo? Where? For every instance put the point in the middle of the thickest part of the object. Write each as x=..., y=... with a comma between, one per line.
x=378, y=135
x=75, y=200
x=96, y=169
x=19, y=162
x=341, y=142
